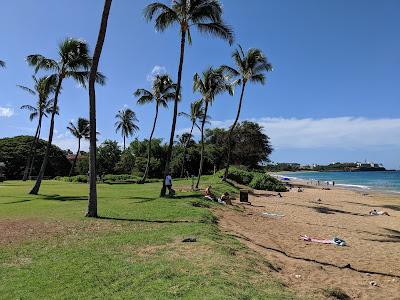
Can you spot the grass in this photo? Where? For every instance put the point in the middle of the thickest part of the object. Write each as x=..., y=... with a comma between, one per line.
x=48, y=250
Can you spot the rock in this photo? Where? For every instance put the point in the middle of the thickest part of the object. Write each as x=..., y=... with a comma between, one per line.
x=297, y=276
x=189, y=239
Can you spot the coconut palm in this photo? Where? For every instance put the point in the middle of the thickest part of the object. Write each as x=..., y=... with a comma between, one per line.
x=125, y=123
x=250, y=67
x=212, y=83
x=42, y=89
x=206, y=16
x=80, y=131
x=92, y=203
x=162, y=91
x=196, y=113
x=74, y=62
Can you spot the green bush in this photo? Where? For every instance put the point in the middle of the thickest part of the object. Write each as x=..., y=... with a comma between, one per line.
x=266, y=182
x=255, y=180
x=77, y=178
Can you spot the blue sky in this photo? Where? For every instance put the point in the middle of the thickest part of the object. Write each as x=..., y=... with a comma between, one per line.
x=333, y=95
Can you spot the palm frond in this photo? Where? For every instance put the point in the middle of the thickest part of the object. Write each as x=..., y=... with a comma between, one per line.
x=40, y=62
x=26, y=89
x=217, y=29
x=2, y=64
x=28, y=107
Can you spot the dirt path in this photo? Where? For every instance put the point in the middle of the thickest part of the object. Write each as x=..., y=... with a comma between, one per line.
x=373, y=241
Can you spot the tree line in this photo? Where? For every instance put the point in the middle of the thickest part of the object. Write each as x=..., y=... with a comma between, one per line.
x=74, y=61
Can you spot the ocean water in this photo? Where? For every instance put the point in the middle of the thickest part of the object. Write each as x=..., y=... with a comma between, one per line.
x=380, y=180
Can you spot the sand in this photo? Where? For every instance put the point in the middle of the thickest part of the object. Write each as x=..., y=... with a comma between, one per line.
x=310, y=268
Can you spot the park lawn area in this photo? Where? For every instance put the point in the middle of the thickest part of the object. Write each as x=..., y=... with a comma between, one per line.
x=49, y=250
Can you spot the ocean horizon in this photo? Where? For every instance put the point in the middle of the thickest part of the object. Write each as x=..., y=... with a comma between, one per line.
x=382, y=181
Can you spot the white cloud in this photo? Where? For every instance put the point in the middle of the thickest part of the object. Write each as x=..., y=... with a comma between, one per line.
x=6, y=112
x=70, y=143
x=334, y=133
x=157, y=70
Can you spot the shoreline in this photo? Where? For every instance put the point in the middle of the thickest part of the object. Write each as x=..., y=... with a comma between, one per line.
x=346, y=186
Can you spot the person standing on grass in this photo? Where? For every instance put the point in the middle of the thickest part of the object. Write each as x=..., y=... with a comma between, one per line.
x=168, y=184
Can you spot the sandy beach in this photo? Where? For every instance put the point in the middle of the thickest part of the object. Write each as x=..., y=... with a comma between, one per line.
x=367, y=268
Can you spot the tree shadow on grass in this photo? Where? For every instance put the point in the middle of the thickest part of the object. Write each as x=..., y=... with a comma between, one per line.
x=146, y=221
x=56, y=197
x=392, y=236
x=19, y=201
x=197, y=196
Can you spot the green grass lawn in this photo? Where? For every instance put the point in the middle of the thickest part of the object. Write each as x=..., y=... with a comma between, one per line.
x=48, y=250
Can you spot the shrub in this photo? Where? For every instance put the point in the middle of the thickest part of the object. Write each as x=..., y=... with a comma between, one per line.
x=77, y=178
x=266, y=182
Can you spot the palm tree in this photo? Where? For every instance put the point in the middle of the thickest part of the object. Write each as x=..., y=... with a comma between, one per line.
x=250, y=67
x=206, y=16
x=162, y=91
x=42, y=90
x=74, y=62
x=80, y=131
x=196, y=113
x=92, y=203
x=212, y=83
x=126, y=119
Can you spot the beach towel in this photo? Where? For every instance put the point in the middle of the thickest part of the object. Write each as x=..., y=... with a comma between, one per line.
x=270, y=214
x=336, y=241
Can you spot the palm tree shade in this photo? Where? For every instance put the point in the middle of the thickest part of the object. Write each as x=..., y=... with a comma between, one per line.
x=196, y=113
x=42, y=89
x=125, y=123
x=162, y=91
x=74, y=62
x=81, y=131
x=212, y=83
x=93, y=74
x=250, y=67
x=206, y=16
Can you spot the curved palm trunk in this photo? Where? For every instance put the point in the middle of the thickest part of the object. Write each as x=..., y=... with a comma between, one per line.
x=34, y=152
x=39, y=179
x=202, y=145
x=92, y=203
x=149, y=147
x=229, y=150
x=178, y=90
x=75, y=158
x=31, y=150
x=184, y=150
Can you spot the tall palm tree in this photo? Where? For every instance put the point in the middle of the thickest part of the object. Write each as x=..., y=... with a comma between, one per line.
x=74, y=62
x=206, y=16
x=42, y=90
x=250, y=67
x=80, y=131
x=196, y=113
x=92, y=203
x=125, y=123
x=212, y=83
x=162, y=91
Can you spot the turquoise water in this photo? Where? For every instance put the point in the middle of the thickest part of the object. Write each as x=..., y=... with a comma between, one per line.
x=381, y=181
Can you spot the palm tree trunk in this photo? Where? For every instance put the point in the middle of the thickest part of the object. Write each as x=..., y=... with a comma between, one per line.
x=149, y=147
x=30, y=154
x=75, y=158
x=184, y=150
x=34, y=150
x=124, y=142
x=202, y=145
x=39, y=179
x=178, y=91
x=231, y=131
x=92, y=203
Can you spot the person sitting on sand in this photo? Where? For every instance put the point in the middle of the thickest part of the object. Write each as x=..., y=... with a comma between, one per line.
x=208, y=194
x=225, y=199
x=378, y=213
